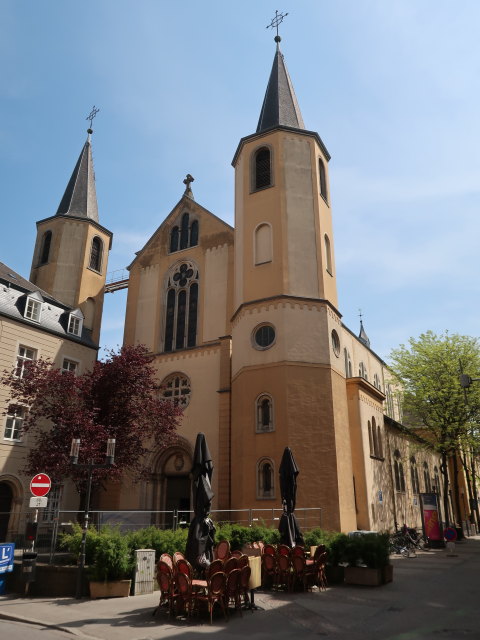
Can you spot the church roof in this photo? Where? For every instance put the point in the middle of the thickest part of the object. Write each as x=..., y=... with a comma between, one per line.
x=80, y=197
x=280, y=106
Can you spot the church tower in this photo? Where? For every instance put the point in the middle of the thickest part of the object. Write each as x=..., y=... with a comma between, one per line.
x=71, y=249
x=288, y=382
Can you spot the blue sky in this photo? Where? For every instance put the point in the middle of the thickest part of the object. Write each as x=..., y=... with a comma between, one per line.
x=391, y=86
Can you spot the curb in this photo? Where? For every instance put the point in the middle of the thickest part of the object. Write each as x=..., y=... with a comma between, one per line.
x=47, y=625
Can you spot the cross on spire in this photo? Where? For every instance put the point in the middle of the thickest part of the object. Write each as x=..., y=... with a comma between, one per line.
x=276, y=21
x=188, y=190
x=91, y=116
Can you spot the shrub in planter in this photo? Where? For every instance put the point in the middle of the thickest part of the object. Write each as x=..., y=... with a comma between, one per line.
x=112, y=559
x=368, y=558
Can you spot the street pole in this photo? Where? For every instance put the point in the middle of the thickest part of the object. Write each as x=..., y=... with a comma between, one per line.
x=90, y=466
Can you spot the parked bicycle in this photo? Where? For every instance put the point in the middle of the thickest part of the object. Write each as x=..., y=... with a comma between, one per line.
x=407, y=541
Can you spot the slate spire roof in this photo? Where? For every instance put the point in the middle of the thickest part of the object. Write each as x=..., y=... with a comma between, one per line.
x=80, y=197
x=280, y=106
x=362, y=336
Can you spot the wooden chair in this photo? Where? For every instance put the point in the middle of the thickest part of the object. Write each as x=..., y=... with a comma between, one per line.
x=301, y=573
x=184, y=593
x=235, y=554
x=178, y=555
x=318, y=552
x=245, y=572
x=269, y=569
x=215, y=567
x=232, y=590
x=167, y=558
x=222, y=550
x=215, y=593
x=283, y=550
x=167, y=592
x=319, y=571
x=243, y=561
x=183, y=566
x=297, y=551
x=230, y=564
x=284, y=571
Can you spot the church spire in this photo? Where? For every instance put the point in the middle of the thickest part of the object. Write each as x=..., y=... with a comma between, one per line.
x=362, y=336
x=280, y=106
x=80, y=197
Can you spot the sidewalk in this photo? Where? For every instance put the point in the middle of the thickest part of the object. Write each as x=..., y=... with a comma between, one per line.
x=431, y=596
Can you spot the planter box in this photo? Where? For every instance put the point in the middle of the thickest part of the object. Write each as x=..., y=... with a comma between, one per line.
x=387, y=573
x=113, y=589
x=335, y=574
x=363, y=575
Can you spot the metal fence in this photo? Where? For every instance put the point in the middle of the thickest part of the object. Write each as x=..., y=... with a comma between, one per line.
x=61, y=522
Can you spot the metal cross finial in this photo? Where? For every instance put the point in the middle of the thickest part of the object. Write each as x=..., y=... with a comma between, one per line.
x=360, y=314
x=92, y=115
x=277, y=20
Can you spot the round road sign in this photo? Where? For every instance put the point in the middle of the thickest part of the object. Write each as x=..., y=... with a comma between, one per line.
x=450, y=534
x=40, y=485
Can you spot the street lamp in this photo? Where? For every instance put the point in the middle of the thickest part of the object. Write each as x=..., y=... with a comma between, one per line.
x=90, y=466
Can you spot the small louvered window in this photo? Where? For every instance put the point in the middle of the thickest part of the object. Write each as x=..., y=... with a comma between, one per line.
x=263, y=172
x=47, y=240
x=96, y=254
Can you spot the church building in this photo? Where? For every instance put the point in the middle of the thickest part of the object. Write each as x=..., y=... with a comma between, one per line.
x=246, y=331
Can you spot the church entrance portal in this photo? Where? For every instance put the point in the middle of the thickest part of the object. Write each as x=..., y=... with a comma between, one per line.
x=172, y=489
x=177, y=497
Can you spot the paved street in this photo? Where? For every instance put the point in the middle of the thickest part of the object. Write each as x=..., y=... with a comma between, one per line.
x=432, y=596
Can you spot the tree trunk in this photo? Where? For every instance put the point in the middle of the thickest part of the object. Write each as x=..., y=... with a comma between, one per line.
x=444, y=470
x=474, y=488
x=469, y=488
x=456, y=492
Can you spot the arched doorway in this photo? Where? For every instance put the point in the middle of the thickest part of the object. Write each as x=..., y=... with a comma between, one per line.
x=172, y=484
x=6, y=502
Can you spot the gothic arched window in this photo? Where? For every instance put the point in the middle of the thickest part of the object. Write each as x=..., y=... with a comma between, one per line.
x=323, y=179
x=348, y=363
x=362, y=371
x=265, y=479
x=398, y=472
x=262, y=168
x=181, y=307
x=370, y=439
x=264, y=413
x=96, y=254
x=184, y=235
x=46, y=242
x=414, y=475
x=328, y=255
x=426, y=478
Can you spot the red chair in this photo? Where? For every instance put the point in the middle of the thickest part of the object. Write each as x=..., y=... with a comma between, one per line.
x=243, y=561
x=178, y=555
x=319, y=571
x=284, y=571
x=167, y=558
x=167, y=592
x=235, y=554
x=230, y=564
x=270, y=549
x=183, y=566
x=297, y=551
x=244, y=586
x=232, y=590
x=302, y=574
x=215, y=593
x=222, y=550
x=269, y=569
x=215, y=567
x=283, y=550
x=185, y=593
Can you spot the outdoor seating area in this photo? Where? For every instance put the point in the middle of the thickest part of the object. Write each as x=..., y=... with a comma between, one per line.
x=229, y=583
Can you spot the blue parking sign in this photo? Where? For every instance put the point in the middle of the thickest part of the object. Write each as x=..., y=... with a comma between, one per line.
x=6, y=557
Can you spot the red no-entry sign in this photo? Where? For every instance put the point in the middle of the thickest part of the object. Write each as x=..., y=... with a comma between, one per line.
x=40, y=485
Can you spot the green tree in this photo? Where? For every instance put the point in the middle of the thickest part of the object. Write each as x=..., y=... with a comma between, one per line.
x=435, y=407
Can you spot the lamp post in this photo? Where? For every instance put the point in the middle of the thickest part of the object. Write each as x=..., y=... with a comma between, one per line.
x=90, y=466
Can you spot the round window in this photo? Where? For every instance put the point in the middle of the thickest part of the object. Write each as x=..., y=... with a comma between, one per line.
x=264, y=336
x=335, y=343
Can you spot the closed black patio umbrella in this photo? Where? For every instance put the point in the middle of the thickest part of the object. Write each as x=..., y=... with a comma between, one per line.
x=290, y=533
x=199, y=550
